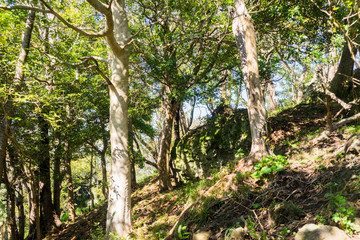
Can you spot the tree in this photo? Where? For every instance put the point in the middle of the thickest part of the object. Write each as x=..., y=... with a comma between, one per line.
x=184, y=50
x=117, y=35
x=244, y=34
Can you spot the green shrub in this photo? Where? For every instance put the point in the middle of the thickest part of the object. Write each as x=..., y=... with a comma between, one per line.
x=269, y=165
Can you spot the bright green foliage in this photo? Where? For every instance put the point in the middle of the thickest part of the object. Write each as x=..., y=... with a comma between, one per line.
x=343, y=213
x=181, y=233
x=270, y=165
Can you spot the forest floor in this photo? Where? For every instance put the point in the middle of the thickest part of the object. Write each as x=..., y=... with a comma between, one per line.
x=319, y=185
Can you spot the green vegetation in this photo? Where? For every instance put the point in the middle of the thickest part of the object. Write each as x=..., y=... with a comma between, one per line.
x=270, y=165
x=163, y=119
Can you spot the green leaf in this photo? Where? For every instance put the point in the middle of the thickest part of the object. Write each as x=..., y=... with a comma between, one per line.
x=266, y=170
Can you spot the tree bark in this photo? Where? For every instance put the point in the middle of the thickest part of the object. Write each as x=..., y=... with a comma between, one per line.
x=91, y=180
x=21, y=210
x=244, y=34
x=11, y=205
x=67, y=164
x=169, y=107
x=118, y=219
x=131, y=154
x=104, y=186
x=57, y=176
x=272, y=102
x=342, y=84
x=46, y=206
x=300, y=89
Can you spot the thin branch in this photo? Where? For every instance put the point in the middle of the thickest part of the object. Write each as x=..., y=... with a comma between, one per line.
x=24, y=7
x=102, y=74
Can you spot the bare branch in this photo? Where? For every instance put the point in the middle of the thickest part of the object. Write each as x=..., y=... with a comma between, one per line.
x=346, y=121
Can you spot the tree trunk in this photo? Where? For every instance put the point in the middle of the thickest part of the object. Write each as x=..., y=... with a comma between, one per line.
x=57, y=177
x=11, y=205
x=67, y=164
x=118, y=219
x=104, y=186
x=244, y=34
x=169, y=107
x=34, y=216
x=21, y=210
x=272, y=102
x=18, y=79
x=333, y=63
x=131, y=154
x=46, y=206
x=177, y=124
x=91, y=180
x=342, y=84
x=300, y=90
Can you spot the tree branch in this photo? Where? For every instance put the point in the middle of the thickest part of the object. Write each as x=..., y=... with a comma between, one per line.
x=346, y=121
x=99, y=6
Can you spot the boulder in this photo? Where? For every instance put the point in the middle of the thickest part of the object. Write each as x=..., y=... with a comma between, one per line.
x=201, y=235
x=320, y=232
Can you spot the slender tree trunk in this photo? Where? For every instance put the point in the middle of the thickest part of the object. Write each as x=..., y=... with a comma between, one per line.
x=104, y=186
x=177, y=124
x=182, y=116
x=46, y=206
x=169, y=107
x=300, y=90
x=91, y=180
x=21, y=210
x=244, y=34
x=18, y=81
x=67, y=164
x=34, y=211
x=57, y=178
x=11, y=205
x=272, y=102
x=118, y=219
x=131, y=155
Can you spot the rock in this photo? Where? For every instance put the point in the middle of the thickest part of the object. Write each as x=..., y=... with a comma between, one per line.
x=357, y=224
x=320, y=232
x=239, y=233
x=201, y=235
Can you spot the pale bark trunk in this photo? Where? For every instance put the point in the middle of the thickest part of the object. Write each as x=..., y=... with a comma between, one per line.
x=300, y=90
x=333, y=64
x=169, y=107
x=118, y=220
x=272, y=102
x=244, y=34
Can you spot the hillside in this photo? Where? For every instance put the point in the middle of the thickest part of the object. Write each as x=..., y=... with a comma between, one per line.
x=313, y=181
